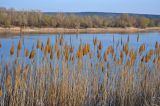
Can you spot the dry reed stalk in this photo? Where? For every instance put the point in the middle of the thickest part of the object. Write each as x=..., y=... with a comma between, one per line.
x=142, y=49
x=42, y=47
x=95, y=41
x=16, y=61
x=51, y=55
x=90, y=55
x=8, y=82
x=71, y=49
x=61, y=40
x=0, y=44
x=38, y=44
x=138, y=38
x=158, y=60
x=98, y=54
x=26, y=52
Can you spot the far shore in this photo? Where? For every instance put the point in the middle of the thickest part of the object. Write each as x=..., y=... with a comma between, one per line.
x=29, y=30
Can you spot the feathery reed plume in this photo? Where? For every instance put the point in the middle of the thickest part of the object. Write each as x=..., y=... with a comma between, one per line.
x=147, y=58
x=49, y=48
x=48, y=41
x=102, y=66
x=72, y=58
x=66, y=48
x=26, y=52
x=119, y=62
x=51, y=55
x=71, y=49
x=32, y=54
x=85, y=50
x=46, y=50
x=121, y=55
x=19, y=45
x=156, y=45
x=38, y=44
x=88, y=48
x=142, y=49
x=1, y=93
x=98, y=54
x=90, y=55
x=105, y=56
x=125, y=48
x=150, y=53
x=131, y=53
x=58, y=54
x=12, y=50
x=133, y=58
x=100, y=45
x=143, y=58
x=79, y=54
x=42, y=47
x=56, y=46
x=95, y=41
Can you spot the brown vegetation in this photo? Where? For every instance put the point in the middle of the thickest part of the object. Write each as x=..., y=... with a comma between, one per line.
x=81, y=76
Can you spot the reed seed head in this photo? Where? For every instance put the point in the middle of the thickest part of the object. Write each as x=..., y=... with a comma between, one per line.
x=19, y=45
x=26, y=52
x=32, y=54
x=12, y=50
x=38, y=44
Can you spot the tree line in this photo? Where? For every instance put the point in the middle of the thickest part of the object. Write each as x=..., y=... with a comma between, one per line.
x=34, y=18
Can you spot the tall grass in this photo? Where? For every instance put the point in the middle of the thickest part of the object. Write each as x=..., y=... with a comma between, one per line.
x=87, y=76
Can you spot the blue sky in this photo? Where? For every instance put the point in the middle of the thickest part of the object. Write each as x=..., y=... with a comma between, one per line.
x=118, y=6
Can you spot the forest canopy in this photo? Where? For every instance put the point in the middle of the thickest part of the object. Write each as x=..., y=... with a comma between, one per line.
x=12, y=17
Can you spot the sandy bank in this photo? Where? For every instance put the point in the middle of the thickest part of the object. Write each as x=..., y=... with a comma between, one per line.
x=17, y=30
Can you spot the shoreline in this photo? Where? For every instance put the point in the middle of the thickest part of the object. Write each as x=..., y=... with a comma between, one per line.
x=29, y=30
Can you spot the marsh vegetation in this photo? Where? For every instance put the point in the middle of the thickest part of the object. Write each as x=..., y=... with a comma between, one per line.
x=62, y=73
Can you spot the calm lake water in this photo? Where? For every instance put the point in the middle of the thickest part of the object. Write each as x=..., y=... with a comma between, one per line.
x=107, y=39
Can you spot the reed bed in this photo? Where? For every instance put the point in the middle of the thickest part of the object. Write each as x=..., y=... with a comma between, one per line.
x=84, y=76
